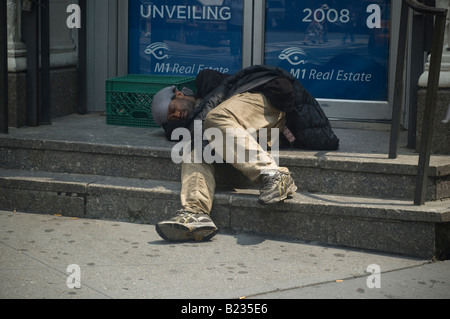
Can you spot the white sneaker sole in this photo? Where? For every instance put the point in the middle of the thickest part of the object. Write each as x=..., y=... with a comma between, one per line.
x=172, y=231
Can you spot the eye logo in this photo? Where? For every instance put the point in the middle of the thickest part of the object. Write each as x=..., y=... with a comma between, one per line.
x=157, y=49
x=294, y=56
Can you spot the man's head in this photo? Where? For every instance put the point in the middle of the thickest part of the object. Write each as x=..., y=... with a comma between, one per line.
x=169, y=104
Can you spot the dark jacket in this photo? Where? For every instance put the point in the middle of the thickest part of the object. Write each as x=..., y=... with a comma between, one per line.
x=304, y=116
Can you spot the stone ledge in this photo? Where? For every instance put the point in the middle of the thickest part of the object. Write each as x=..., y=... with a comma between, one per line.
x=371, y=175
x=352, y=162
x=376, y=224
x=323, y=204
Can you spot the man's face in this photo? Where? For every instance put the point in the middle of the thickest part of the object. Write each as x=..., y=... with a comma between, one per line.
x=180, y=107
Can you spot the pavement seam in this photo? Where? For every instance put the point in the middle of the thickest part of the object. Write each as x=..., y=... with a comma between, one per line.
x=52, y=268
x=278, y=290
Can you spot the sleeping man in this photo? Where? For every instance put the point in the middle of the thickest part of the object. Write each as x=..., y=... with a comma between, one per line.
x=255, y=98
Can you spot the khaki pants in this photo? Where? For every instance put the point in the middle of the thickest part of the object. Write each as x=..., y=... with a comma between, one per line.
x=247, y=111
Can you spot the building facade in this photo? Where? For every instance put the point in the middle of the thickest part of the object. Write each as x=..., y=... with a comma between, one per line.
x=343, y=51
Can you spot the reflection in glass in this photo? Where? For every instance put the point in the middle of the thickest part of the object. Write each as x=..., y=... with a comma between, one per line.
x=338, y=49
x=183, y=37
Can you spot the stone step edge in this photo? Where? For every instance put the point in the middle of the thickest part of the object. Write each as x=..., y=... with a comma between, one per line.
x=82, y=186
x=355, y=162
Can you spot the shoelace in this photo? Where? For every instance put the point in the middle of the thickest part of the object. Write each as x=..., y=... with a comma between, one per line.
x=270, y=181
x=184, y=216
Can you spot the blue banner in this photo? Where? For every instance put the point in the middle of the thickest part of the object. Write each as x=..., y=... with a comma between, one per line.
x=338, y=49
x=183, y=37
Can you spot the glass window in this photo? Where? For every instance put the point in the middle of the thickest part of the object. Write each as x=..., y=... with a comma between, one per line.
x=183, y=37
x=338, y=49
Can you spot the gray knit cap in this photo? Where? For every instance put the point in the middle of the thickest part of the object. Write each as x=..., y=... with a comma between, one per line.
x=160, y=104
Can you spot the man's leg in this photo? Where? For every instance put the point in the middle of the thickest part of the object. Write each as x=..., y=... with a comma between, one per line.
x=252, y=111
x=197, y=195
x=197, y=187
x=238, y=114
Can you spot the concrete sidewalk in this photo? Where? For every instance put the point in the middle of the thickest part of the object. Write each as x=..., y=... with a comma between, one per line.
x=122, y=260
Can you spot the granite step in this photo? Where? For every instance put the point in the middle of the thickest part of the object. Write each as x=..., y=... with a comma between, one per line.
x=355, y=197
x=354, y=174
x=384, y=225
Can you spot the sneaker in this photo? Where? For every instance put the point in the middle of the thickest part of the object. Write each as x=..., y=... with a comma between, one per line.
x=276, y=188
x=187, y=226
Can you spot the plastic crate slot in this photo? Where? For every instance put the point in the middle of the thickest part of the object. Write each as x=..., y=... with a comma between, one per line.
x=140, y=115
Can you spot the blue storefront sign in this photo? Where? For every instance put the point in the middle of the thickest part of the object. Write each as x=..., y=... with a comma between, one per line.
x=338, y=49
x=183, y=37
